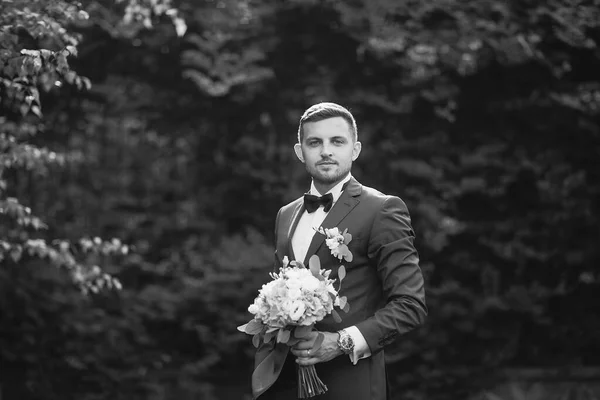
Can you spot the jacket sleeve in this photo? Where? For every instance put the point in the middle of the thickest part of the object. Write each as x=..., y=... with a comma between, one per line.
x=391, y=247
x=276, y=261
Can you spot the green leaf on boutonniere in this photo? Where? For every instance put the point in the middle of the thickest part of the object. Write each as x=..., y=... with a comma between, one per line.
x=347, y=236
x=302, y=331
x=314, y=263
x=283, y=336
x=343, y=302
x=346, y=253
x=341, y=272
x=336, y=316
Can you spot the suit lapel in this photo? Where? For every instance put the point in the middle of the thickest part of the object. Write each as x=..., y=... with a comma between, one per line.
x=347, y=201
x=293, y=223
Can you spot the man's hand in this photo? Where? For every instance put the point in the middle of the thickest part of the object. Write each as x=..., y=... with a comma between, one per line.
x=307, y=355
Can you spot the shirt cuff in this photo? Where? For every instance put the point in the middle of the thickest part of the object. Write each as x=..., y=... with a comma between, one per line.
x=361, y=348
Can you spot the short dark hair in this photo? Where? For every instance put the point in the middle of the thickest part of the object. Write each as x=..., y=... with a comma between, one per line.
x=325, y=110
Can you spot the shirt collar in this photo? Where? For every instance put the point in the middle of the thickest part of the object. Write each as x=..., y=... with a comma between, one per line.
x=336, y=191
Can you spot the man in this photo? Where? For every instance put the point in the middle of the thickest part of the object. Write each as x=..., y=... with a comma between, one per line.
x=383, y=283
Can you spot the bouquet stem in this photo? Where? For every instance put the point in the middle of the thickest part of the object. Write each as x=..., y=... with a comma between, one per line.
x=309, y=384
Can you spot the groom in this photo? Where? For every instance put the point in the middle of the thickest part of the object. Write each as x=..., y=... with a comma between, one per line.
x=383, y=283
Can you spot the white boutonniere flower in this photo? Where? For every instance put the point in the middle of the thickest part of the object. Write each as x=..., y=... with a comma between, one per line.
x=337, y=242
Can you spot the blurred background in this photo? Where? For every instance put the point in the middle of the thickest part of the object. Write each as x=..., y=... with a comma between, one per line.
x=150, y=142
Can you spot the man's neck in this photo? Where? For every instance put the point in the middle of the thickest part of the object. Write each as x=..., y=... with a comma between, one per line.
x=322, y=189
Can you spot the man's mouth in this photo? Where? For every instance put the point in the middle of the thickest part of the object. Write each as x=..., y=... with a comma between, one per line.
x=326, y=163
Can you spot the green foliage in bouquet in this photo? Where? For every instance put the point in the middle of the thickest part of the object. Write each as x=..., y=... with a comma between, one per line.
x=292, y=333
x=286, y=311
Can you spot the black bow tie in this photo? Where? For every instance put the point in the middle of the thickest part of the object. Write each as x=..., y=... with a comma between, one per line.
x=312, y=202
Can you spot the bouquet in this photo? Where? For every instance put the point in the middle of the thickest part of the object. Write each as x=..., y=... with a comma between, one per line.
x=285, y=311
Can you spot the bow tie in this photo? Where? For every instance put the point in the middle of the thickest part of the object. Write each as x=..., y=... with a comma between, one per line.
x=312, y=202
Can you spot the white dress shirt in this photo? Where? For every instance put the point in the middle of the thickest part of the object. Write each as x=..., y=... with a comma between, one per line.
x=303, y=235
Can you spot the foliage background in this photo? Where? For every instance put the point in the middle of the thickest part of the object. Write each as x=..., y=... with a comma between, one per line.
x=482, y=116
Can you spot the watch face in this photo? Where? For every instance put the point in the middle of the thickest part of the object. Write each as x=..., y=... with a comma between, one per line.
x=347, y=343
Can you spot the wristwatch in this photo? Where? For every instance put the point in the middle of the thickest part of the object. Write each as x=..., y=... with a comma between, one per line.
x=345, y=342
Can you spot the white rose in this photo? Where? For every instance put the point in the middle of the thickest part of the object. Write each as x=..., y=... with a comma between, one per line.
x=311, y=284
x=298, y=309
x=332, y=232
x=253, y=308
x=332, y=243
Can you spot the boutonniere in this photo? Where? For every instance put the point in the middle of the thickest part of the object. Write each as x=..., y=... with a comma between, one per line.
x=337, y=242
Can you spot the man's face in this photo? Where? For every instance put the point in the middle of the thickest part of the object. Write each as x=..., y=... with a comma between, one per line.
x=328, y=150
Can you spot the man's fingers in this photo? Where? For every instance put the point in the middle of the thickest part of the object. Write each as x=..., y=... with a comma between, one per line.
x=303, y=346
x=307, y=341
x=305, y=353
x=307, y=361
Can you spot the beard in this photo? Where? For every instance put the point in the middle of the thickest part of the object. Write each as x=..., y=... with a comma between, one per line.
x=328, y=178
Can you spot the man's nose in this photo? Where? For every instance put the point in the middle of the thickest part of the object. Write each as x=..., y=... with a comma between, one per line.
x=326, y=151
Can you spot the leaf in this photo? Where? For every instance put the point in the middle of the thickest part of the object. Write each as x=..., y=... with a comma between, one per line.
x=347, y=254
x=15, y=254
x=314, y=263
x=269, y=336
x=24, y=109
x=347, y=237
x=32, y=53
x=256, y=340
x=180, y=26
x=62, y=64
x=343, y=302
x=37, y=111
x=253, y=327
x=206, y=84
x=341, y=272
x=302, y=331
x=86, y=83
x=72, y=50
x=283, y=336
x=336, y=316
x=318, y=341
x=346, y=308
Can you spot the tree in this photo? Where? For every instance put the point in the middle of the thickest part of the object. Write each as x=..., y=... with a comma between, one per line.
x=37, y=42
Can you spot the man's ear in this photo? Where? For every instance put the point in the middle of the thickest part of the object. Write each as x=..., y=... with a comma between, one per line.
x=356, y=150
x=298, y=151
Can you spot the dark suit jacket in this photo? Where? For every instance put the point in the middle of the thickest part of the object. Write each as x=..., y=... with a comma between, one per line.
x=383, y=284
